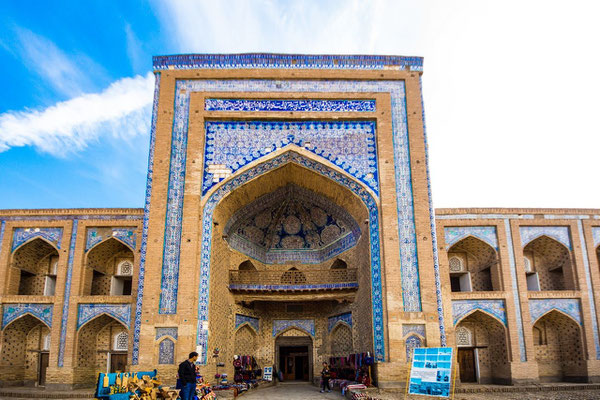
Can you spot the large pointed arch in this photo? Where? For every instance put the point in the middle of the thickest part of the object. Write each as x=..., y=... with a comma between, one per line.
x=357, y=188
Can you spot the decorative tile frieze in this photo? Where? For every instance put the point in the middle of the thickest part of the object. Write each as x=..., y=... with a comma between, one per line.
x=96, y=235
x=312, y=105
x=332, y=321
x=285, y=61
x=245, y=319
x=166, y=352
x=87, y=312
x=67, y=295
x=306, y=325
x=412, y=342
x=560, y=233
x=462, y=308
x=169, y=331
x=455, y=234
x=349, y=145
x=12, y=312
x=284, y=287
x=22, y=235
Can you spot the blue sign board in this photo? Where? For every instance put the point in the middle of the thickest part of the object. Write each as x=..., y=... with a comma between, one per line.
x=431, y=372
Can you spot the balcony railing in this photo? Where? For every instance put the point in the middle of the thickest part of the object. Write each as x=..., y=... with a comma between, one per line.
x=323, y=279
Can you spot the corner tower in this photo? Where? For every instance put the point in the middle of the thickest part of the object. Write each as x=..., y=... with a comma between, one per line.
x=288, y=211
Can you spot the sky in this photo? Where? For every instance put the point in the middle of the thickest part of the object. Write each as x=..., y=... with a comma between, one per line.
x=511, y=89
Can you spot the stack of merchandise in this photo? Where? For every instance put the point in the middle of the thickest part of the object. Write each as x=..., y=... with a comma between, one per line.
x=151, y=389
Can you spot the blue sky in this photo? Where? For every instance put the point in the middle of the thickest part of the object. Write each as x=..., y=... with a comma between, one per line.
x=511, y=89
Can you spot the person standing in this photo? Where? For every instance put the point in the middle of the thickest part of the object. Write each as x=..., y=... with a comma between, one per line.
x=325, y=375
x=187, y=376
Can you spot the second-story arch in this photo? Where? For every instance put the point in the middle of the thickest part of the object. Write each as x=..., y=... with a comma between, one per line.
x=548, y=265
x=474, y=266
x=108, y=269
x=33, y=269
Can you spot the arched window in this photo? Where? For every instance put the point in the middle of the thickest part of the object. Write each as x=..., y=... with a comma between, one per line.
x=464, y=337
x=166, y=352
x=293, y=277
x=412, y=342
x=121, y=341
x=339, y=264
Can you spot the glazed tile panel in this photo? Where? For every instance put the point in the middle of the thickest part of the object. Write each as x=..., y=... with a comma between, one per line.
x=241, y=319
x=22, y=235
x=11, y=312
x=126, y=235
x=539, y=307
x=419, y=329
x=349, y=145
x=332, y=321
x=408, y=254
x=160, y=332
x=280, y=325
x=289, y=105
x=87, y=312
x=462, y=308
x=560, y=233
x=66, y=304
x=457, y=233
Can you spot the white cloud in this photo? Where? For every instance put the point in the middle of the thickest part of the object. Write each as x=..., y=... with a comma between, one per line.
x=122, y=110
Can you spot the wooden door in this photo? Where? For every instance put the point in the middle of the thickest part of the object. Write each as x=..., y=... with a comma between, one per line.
x=466, y=360
x=43, y=362
x=118, y=362
x=289, y=370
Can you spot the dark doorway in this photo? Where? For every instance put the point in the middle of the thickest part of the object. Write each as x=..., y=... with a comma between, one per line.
x=118, y=362
x=293, y=363
x=44, y=361
x=466, y=360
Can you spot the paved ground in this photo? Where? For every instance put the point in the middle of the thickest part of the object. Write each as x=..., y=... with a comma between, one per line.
x=290, y=391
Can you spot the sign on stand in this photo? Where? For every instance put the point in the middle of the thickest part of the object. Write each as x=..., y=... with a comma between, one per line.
x=431, y=372
x=268, y=374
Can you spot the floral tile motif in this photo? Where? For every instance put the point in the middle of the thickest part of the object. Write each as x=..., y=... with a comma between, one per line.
x=457, y=233
x=126, y=235
x=245, y=319
x=317, y=286
x=11, y=312
x=280, y=325
x=596, y=235
x=539, y=307
x=412, y=342
x=313, y=105
x=285, y=158
x=285, y=61
x=349, y=145
x=22, y=235
x=332, y=321
x=292, y=224
x=418, y=329
x=67, y=296
x=161, y=331
x=560, y=233
x=166, y=352
x=461, y=308
x=87, y=312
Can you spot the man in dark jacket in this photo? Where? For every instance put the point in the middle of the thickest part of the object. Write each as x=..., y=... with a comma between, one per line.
x=187, y=376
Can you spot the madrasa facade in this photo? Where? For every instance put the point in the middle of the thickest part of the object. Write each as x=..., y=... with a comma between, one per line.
x=288, y=218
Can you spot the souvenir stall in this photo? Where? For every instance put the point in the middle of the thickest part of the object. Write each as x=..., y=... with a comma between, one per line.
x=351, y=372
x=133, y=385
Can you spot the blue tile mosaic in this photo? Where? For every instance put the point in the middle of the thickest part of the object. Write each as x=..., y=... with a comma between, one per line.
x=432, y=226
x=515, y=290
x=22, y=235
x=349, y=145
x=126, y=235
x=323, y=286
x=260, y=169
x=245, y=319
x=539, y=307
x=306, y=325
x=292, y=224
x=406, y=230
x=591, y=294
x=2, y=228
x=560, y=233
x=333, y=321
x=166, y=352
x=455, y=234
x=314, y=105
x=12, y=312
x=67, y=295
x=162, y=331
x=418, y=329
x=285, y=61
x=462, y=308
x=87, y=312
x=135, y=352
x=596, y=235
x=412, y=342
